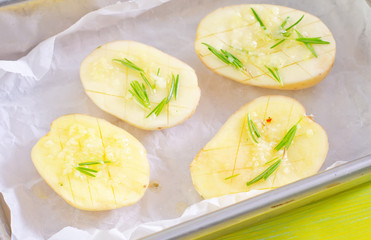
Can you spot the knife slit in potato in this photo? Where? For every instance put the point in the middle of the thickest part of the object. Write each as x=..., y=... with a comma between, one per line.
x=130, y=80
x=238, y=148
x=91, y=163
x=68, y=178
x=289, y=146
x=104, y=159
x=291, y=50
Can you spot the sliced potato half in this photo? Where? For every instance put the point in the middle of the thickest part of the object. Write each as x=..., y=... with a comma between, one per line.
x=109, y=72
x=264, y=60
x=233, y=161
x=92, y=164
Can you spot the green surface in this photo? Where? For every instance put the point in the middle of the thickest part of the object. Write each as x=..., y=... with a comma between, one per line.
x=346, y=215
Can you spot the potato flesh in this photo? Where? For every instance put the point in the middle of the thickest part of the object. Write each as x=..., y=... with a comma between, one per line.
x=232, y=151
x=107, y=83
x=74, y=139
x=236, y=30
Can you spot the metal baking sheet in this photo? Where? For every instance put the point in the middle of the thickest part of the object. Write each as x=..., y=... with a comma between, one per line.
x=248, y=212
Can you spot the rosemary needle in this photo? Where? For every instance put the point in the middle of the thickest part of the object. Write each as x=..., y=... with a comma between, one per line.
x=146, y=80
x=287, y=139
x=93, y=163
x=309, y=46
x=275, y=74
x=127, y=63
x=176, y=86
x=232, y=59
x=226, y=57
x=278, y=43
x=267, y=172
x=140, y=93
x=258, y=19
x=285, y=32
x=296, y=23
x=172, y=88
x=217, y=53
x=85, y=172
x=252, y=129
x=86, y=169
x=283, y=24
x=316, y=40
x=274, y=159
x=157, y=110
x=173, y=92
x=275, y=166
x=233, y=176
x=255, y=129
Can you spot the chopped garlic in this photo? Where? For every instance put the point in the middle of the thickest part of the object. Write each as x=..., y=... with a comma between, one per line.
x=160, y=81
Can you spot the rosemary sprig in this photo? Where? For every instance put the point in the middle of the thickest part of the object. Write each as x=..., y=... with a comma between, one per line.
x=88, y=171
x=285, y=32
x=309, y=46
x=232, y=59
x=252, y=129
x=226, y=57
x=217, y=53
x=233, y=176
x=157, y=110
x=275, y=74
x=287, y=139
x=127, y=63
x=316, y=40
x=258, y=19
x=173, y=92
x=267, y=172
x=176, y=86
x=140, y=93
x=93, y=163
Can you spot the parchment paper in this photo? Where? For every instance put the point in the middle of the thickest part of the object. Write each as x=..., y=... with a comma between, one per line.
x=45, y=85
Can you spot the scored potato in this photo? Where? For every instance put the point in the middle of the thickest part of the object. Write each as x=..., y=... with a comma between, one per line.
x=236, y=29
x=232, y=158
x=108, y=84
x=92, y=164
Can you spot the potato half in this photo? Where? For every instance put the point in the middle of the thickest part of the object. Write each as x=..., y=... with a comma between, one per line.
x=235, y=29
x=232, y=159
x=92, y=164
x=108, y=73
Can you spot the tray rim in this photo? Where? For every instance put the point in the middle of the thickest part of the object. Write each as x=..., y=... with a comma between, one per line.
x=200, y=226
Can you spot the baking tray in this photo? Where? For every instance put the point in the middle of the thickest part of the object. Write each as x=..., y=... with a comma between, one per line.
x=281, y=199
x=272, y=203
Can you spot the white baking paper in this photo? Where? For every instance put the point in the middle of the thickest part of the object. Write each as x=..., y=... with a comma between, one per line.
x=44, y=85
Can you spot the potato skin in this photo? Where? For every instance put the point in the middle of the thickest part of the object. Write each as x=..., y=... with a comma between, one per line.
x=325, y=65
